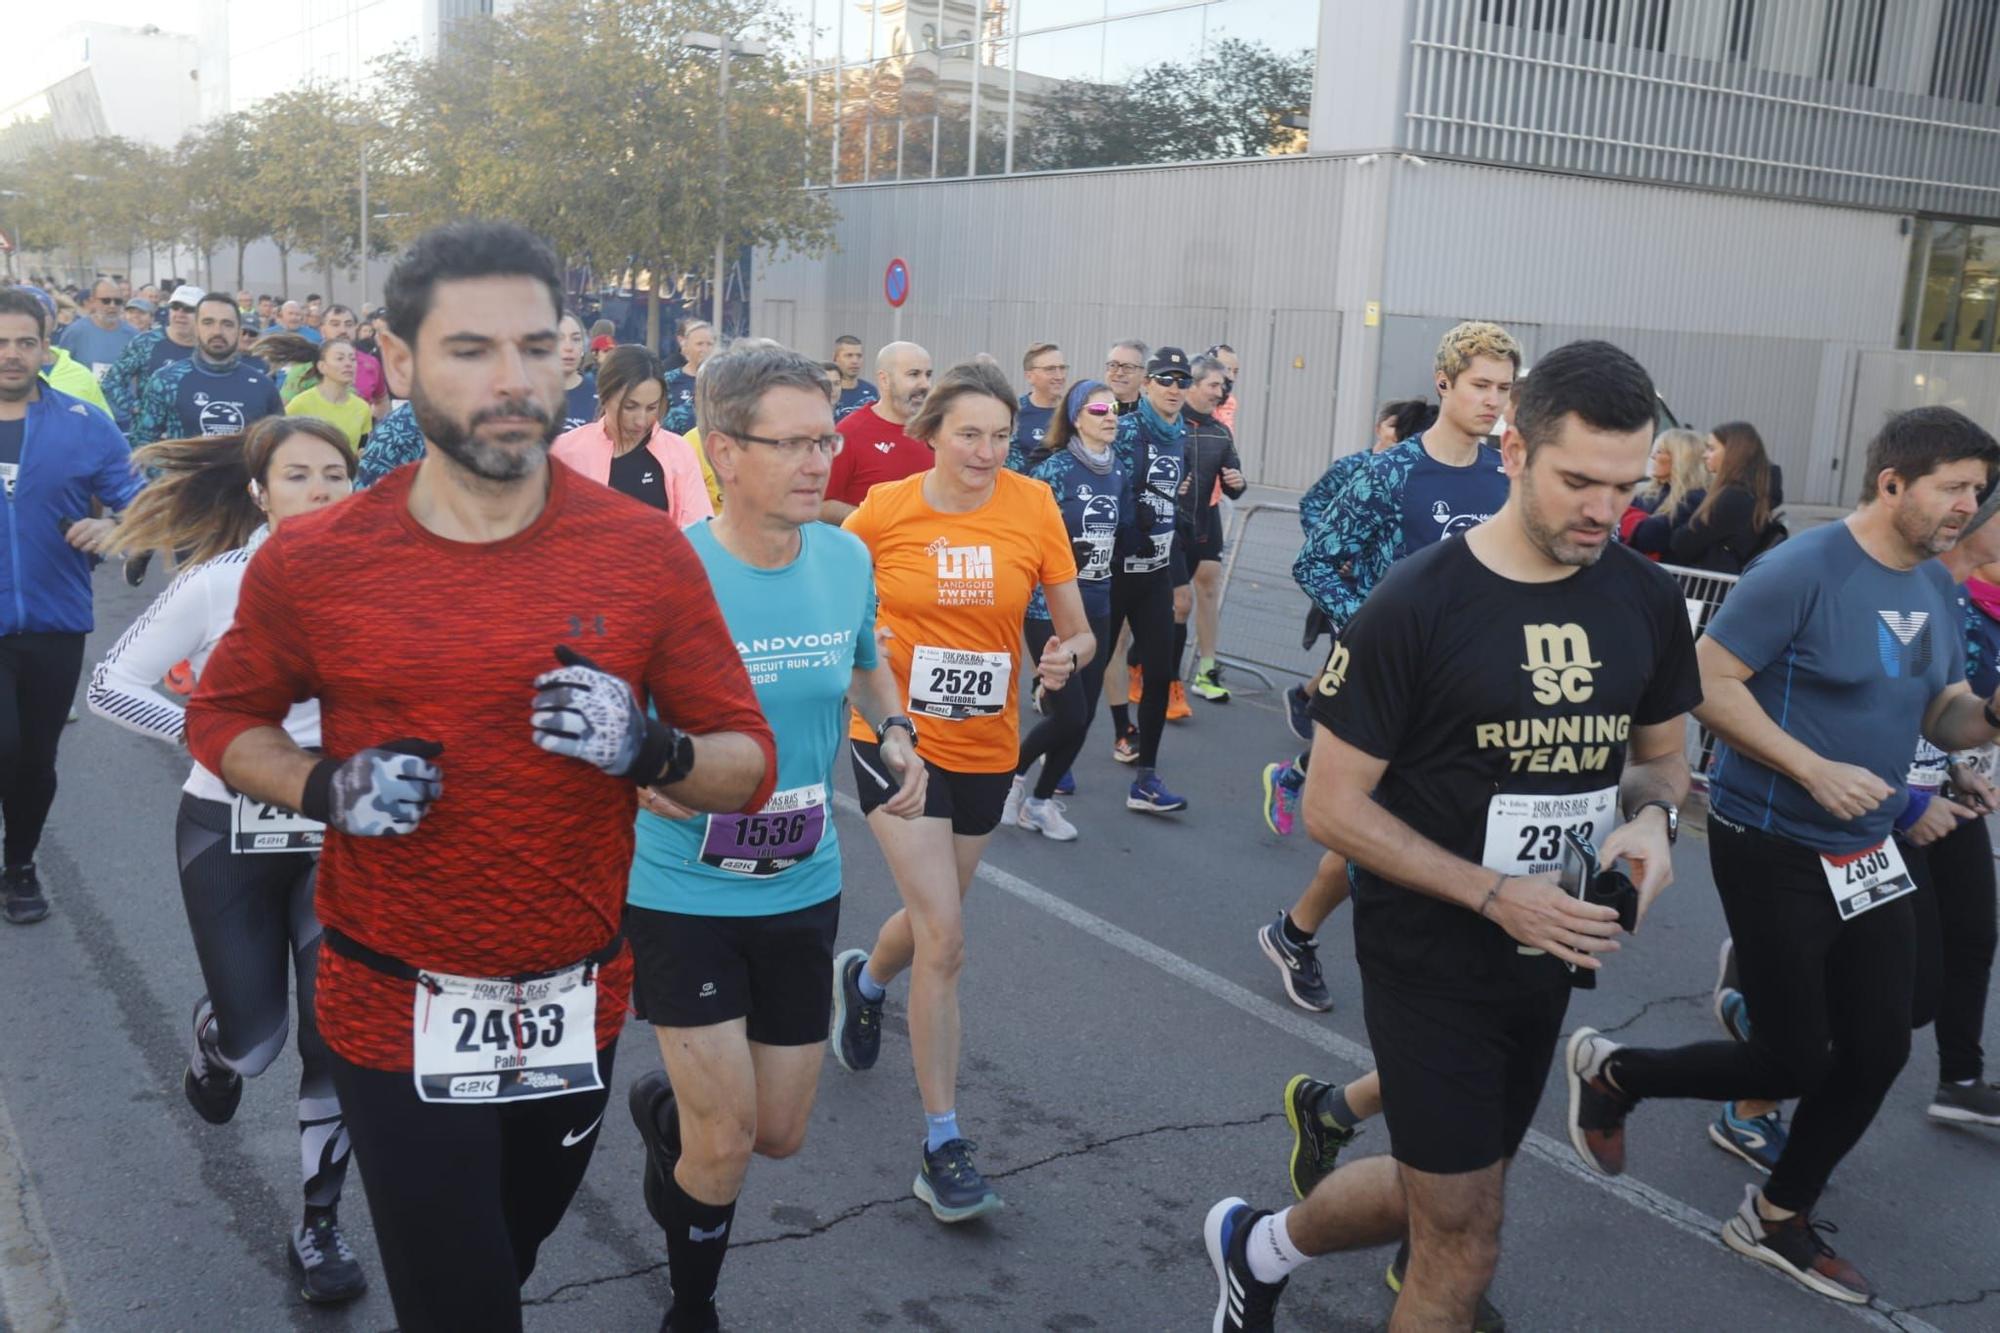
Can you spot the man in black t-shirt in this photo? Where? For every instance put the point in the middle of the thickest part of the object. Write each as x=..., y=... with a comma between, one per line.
x=1494, y=693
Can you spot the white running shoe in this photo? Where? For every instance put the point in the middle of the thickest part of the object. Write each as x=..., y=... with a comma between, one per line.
x=1046, y=818
x=1010, y=813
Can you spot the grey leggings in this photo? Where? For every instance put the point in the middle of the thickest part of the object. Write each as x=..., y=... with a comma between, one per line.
x=253, y=924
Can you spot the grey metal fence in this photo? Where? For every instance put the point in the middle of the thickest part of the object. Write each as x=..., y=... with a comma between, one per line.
x=1263, y=612
x=1704, y=592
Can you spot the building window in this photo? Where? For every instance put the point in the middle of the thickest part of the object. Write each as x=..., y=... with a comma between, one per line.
x=1955, y=288
x=1964, y=51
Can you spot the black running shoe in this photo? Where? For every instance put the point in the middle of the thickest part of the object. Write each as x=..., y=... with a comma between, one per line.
x=651, y=1101
x=949, y=1182
x=1243, y=1304
x=1796, y=1247
x=1316, y=1143
x=1298, y=966
x=1485, y=1319
x=1597, y=1109
x=136, y=565
x=1298, y=712
x=857, y=1020
x=25, y=903
x=212, y=1087
x=702, y=1320
x=328, y=1271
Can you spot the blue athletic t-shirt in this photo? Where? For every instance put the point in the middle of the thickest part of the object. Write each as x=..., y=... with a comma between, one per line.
x=1848, y=654
x=856, y=398
x=580, y=403
x=802, y=631
x=96, y=348
x=1441, y=501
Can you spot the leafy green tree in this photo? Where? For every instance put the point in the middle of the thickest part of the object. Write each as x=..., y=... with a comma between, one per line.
x=218, y=165
x=305, y=189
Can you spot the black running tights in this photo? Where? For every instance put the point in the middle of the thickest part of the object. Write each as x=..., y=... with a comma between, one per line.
x=1146, y=602
x=1058, y=738
x=1955, y=943
x=38, y=675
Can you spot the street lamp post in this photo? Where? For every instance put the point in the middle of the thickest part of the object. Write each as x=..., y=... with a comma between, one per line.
x=722, y=46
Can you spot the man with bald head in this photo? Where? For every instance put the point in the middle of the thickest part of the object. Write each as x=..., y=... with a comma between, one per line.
x=877, y=450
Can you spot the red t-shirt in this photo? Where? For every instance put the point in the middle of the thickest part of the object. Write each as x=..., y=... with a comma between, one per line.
x=522, y=863
x=876, y=451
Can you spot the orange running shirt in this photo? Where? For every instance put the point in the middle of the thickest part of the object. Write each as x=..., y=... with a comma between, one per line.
x=953, y=589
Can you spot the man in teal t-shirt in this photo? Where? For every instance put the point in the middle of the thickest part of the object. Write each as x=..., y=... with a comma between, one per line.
x=732, y=917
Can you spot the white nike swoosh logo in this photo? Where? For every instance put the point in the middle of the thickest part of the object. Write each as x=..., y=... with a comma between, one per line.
x=571, y=1140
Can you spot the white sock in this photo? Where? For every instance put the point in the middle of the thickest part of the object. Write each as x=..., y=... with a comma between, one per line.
x=1270, y=1250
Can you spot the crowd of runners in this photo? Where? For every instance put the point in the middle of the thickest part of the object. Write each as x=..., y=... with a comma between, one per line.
x=496, y=795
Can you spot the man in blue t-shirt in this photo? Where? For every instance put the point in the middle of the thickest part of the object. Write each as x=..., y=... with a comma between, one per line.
x=1048, y=376
x=98, y=339
x=855, y=392
x=1823, y=666
x=212, y=392
x=732, y=917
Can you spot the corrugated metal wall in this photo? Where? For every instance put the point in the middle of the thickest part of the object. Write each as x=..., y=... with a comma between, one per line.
x=1727, y=300
x=1242, y=253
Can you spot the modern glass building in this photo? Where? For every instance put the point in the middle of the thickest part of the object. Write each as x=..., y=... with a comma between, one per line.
x=1760, y=198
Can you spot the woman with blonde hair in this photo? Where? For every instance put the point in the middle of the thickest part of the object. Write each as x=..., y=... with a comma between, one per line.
x=247, y=869
x=1675, y=485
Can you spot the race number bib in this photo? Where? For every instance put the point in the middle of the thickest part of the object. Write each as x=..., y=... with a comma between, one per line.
x=1524, y=834
x=9, y=473
x=482, y=1040
x=1864, y=880
x=1928, y=769
x=259, y=826
x=955, y=685
x=785, y=832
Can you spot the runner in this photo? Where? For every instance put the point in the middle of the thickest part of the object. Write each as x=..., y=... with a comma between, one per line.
x=148, y=352
x=1095, y=495
x=209, y=393
x=331, y=397
x=733, y=918
x=1214, y=470
x=474, y=978
x=697, y=342
x=1125, y=372
x=1841, y=631
x=579, y=385
x=139, y=315
x=879, y=447
x=396, y=440
x=1420, y=731
x=98, y=340
x=628, y=450
x=1151, y=449
x=1047, y=376
x=958, y=551
x=855, y=392
x=1232, y=370
x=57, y=454
x=246, y=868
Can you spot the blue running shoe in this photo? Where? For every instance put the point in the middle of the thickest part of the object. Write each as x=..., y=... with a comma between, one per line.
x=1152, y=797
x=949, y=1182
x=1758, y=1140
x=1243, y=1304
x=1066, y=785
x=1733, y=1012
x=1298, y=712
x=1281, y=798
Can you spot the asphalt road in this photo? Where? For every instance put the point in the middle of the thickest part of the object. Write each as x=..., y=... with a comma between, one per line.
x=1126, y=1047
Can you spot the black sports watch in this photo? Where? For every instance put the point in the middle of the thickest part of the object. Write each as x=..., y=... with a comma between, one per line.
x=1673, y=818
x=896, y=720
x=1992, y=720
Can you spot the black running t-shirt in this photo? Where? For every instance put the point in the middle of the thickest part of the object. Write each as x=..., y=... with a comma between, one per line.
x=1503, y=710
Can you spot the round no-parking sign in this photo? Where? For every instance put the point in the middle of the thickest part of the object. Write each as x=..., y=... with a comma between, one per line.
x=896, y=283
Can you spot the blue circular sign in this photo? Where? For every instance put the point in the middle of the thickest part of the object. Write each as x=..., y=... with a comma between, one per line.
x=896, y=282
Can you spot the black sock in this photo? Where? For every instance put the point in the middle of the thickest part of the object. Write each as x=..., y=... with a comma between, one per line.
x=697, y=1239
x=1290, y=930
x=1333, y=1108
x=1180, y=648
x=1121, y=717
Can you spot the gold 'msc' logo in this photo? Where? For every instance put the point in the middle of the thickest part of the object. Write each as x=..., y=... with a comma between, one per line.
x=1335, y=674
x=1559, y=663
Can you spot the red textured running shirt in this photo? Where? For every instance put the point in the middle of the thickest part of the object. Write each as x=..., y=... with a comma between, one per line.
x=522, y=863
x=876, y=451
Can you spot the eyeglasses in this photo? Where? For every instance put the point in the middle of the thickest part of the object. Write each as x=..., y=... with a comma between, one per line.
x=1097, y=409
x=1170, y=380
x=830, y=445
x=1046, y=369
x=1123, y=365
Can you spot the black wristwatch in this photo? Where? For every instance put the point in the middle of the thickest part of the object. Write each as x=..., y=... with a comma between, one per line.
x=896, y=720
x=1992, y=720
x=1673, y=818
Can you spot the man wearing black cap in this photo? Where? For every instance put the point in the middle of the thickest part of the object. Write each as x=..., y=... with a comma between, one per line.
x=148, y=352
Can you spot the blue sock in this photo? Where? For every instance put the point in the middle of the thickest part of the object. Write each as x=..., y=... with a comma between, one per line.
x=939, y=1129
x=871, y=990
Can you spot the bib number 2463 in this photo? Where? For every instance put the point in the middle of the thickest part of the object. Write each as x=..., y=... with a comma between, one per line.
x=479, y=1039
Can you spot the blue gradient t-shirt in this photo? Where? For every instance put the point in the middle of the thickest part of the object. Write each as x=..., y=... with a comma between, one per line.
x=802, y=631
x=1441, y=501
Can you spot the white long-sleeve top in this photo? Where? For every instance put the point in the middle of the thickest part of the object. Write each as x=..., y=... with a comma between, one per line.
x=184, y=623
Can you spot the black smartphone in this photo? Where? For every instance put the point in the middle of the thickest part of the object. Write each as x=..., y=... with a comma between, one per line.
x=1575, y=874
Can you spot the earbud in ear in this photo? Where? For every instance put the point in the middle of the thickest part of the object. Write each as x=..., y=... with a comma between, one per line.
x=1889, y=486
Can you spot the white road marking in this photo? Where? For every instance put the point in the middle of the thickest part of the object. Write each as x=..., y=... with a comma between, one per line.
x=1681, y=1217
x=32, y=1292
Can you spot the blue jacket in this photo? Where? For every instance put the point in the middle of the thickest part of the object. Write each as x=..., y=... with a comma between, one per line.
x=1099, y=513
x=677, y=413
x=1155, y=467
x=1313, y=504
x=70, y=454
x=1360, y=535
x=394, y=442
x=126, y=377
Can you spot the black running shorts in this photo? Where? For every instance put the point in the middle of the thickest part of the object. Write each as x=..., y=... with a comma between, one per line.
x=775, y=971
x=971, y=801
x=1461, y=1075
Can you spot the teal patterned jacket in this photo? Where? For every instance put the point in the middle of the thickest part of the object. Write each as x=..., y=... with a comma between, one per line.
x=394, y=442
x=1359, y=533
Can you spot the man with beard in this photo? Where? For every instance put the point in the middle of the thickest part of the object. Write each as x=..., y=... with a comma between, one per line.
x=1494, y=695
x=493, y=692
x=98, y=339
x=1829, y=658
x=877, y=449
x=212, y=392
x=126, y=378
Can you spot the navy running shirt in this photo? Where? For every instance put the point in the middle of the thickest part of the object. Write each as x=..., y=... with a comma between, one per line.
x=1847, y=655
x=1032, y=426
x=862, y=394
x=1441, y=501
x=580, y=403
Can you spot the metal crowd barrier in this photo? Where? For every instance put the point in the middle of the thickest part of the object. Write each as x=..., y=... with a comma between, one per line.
x=1263, y=612
x=1704, y=592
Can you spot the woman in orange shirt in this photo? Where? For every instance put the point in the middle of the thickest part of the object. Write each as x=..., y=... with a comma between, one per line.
x=958, y=552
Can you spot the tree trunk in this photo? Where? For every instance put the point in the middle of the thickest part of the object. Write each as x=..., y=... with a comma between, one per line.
x=241, y=246
x=284, y=273
x=653, y=311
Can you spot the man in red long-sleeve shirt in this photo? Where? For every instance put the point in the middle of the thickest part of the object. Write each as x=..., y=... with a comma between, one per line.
x=483, y=632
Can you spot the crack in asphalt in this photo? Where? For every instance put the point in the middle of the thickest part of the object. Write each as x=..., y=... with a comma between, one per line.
x=1977, y=1298
x=1649, y=1006
x=848, y=1214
